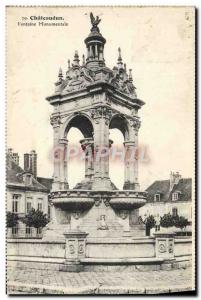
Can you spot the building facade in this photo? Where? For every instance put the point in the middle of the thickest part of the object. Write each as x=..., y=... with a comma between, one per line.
x=24, y=192
x=172, y=196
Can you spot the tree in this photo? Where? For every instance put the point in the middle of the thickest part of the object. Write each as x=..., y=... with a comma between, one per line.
x=11, y=219
x=36, y=218
x=181, y=222
x=167, y=220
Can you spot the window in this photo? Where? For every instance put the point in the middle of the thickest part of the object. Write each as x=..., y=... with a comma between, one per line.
x=40, y=205
x=157, y=197
x=175, y=196
x=175, y=211
x=14, y=230
x=27, y=179
x=29, y=207
x=28, y=231
x=38, y=232
x=15, y=203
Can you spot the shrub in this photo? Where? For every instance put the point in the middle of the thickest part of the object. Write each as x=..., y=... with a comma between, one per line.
x=181, y=222
x=36, y=218
x=167, y=220
x=11, y=219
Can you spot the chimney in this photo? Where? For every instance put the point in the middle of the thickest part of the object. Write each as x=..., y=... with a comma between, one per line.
x=33, y=163
x=13, y=156
x=30, y=162
x=174, y=179
x=10, y=152
x=26, y=162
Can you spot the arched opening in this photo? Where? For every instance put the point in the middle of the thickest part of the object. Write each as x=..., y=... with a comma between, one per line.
x=78, y=128
x=76, y=163
x=116, y=162
x=82, y=123
x=118, y=134
x=120, y=122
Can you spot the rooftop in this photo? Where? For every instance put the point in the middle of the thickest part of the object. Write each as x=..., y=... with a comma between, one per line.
x=162, y=187
x=15, y=178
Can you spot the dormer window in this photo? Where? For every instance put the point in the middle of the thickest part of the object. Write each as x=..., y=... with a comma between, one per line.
x=27, y=178
x=157, y=197
x=175, y=196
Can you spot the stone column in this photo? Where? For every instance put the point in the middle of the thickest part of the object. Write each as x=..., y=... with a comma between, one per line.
x=131, y=157
x=87, y=146
x=63, y=164
x=96, y=51
x=90, y=52
x=101, y=116
x=101, y=53
x=55, y=122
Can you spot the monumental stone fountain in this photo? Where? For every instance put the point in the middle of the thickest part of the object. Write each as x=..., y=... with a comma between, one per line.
x=94, y=99
x=95, y=226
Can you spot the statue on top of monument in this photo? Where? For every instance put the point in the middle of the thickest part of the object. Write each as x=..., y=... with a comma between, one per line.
x=94, y=22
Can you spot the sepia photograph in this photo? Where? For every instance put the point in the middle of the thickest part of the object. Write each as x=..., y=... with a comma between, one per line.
x=100, y=156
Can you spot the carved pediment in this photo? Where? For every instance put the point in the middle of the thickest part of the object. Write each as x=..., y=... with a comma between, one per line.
x=121, y=81
x=77, y=77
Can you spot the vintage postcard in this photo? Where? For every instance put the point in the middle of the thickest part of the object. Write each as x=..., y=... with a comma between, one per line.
x=100, y=150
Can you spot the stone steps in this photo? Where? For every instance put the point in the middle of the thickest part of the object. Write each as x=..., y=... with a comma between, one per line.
x=55, y=232
x=114, y=229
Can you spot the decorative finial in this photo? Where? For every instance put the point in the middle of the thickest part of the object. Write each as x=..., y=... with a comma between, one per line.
x=83, y=59
x=68, y=64
x=119, y=60
x=76, y=59
x=125, y=67
x=94, y=22
x=130, y=75
x=60, y=74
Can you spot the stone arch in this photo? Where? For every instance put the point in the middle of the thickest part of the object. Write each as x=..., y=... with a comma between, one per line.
x=81, y=122
x=119, y=121
x=119, y=128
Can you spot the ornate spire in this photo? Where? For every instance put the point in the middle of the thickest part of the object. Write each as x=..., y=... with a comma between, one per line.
x=60, y=76
x=76, y=59
x=68, y=64
x=119, y=60
x=130, y=75
x=83, y=59
x=95, y=45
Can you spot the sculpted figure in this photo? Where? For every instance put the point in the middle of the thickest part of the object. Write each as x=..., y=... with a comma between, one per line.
x=94, y=21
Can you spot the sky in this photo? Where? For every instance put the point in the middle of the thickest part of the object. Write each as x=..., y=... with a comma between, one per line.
x=157, y=43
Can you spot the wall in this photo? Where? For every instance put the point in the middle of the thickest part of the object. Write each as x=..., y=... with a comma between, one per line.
x=183, y=247
x=35, y=248
x=121, y=249
x=95, y=248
